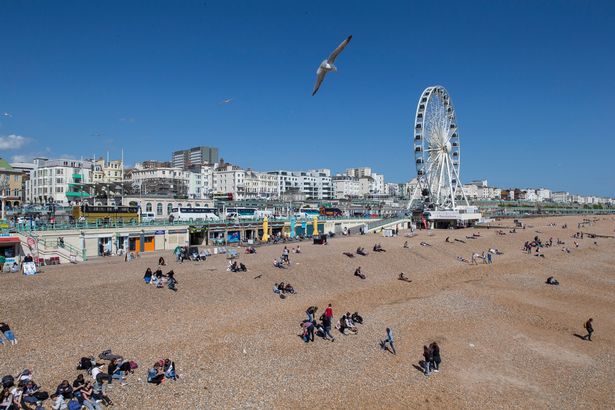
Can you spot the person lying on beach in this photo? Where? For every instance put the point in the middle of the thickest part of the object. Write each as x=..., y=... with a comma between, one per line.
x=361, y=251
x=250, y=249
x=460, y=240
x=350, y=255
x=425, y=244
x=462, y=259
x=378, y=248
x=402, y=276
x=552, y=281
x=495, y=251
x=476, y=235
x=278, y=264
x=470, y=237
x=358, y=273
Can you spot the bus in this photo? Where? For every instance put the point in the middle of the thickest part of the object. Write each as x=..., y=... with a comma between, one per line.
x=194, y=214
x=105, y=214
x=307, y=213
x=240, y=213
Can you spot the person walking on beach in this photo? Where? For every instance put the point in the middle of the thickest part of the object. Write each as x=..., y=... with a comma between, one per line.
x=590, y=329
x=427, y=359
x=326, y=327
x=435, y=356
x=489, y=260
x=389, y=340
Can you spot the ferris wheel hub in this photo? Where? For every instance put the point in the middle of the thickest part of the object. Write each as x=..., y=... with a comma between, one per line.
x=447, y=147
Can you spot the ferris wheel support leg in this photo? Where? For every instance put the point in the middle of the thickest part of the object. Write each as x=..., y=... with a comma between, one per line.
x=413, y=196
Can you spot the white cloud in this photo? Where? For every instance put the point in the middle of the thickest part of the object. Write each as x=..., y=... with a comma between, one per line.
x=12, y=141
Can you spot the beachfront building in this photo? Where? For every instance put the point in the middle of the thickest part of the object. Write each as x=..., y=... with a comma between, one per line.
x=543, y=194
x=107, y=172
x=162, y=206
x=10, y=187
x=345, y=187
x=560, y=196
x=62, y=181
x=315, y=184
x=194, y=158
x=170, y=182
x=24, y=168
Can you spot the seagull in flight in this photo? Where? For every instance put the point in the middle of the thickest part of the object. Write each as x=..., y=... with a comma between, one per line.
x=7, y=114
x=226, y=101
x=327, y=65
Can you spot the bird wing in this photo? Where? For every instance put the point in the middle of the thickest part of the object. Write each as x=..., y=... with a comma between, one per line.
x=338, y=50
x=320, y=76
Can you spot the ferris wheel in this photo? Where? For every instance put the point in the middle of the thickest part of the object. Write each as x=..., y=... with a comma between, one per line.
x=437, y=152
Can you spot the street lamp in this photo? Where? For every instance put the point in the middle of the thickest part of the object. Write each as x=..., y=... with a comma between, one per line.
x=4, y=186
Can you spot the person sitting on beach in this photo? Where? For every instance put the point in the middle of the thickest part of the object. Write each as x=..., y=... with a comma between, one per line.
x=289, y=289
x=171, y=281
x=250, y=249
x=148, y=276
x=406, y=245
x=552, y=281
x=565, y=250
x=65, y=390
x=242, y=267
x=278, y=264
x=346, y=326
x=155, y=375
x=276, y=289
x=378, y=248
x=157, y=277
x=448, y=239
x=402, y=276
x=161, y=261
x=298, y=250
x=356, y=318
x=87, y=399
x=169, y=369
x=358, y=273
x=361, y=251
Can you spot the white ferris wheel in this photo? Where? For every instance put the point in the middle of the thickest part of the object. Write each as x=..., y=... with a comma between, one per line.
x=437, y=152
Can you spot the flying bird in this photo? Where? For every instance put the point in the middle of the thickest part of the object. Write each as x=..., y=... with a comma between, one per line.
x=7, y=114
x=327, y=65
x=226, y=101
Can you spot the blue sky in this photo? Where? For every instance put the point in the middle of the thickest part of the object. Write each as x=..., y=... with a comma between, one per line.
x=532, y=83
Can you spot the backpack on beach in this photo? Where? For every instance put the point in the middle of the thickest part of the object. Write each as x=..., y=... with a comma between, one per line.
x=74, y=404
x=8, y=381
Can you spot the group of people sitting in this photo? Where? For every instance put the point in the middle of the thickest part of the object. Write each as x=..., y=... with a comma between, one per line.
x=21, y=392
x=250, y=250
x=347, y=323
x=233, y=266
x=162, y=370
x=282, y=289
x=159, y=279
x=361, y=251
x=378, y=248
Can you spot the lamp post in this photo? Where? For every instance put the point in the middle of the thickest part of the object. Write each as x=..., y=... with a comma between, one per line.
x=4, y=185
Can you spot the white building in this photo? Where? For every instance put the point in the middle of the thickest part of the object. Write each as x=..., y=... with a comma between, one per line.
x=530, y=195
x=59, y=180
x=560, y=196
x=359, y=172
x=543, y=194
x=107, y=171
x=315, y=184
x=345, y=187
x=470, y=191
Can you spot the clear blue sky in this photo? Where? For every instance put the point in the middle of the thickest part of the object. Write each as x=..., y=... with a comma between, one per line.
x=532, y=82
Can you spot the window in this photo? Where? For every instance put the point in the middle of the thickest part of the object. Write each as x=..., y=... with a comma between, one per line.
x=159, y=209
x=148, y=207
x=15, y=177
x=169, y=208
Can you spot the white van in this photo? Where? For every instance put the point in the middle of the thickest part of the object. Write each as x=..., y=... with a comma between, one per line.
x=148, y=217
